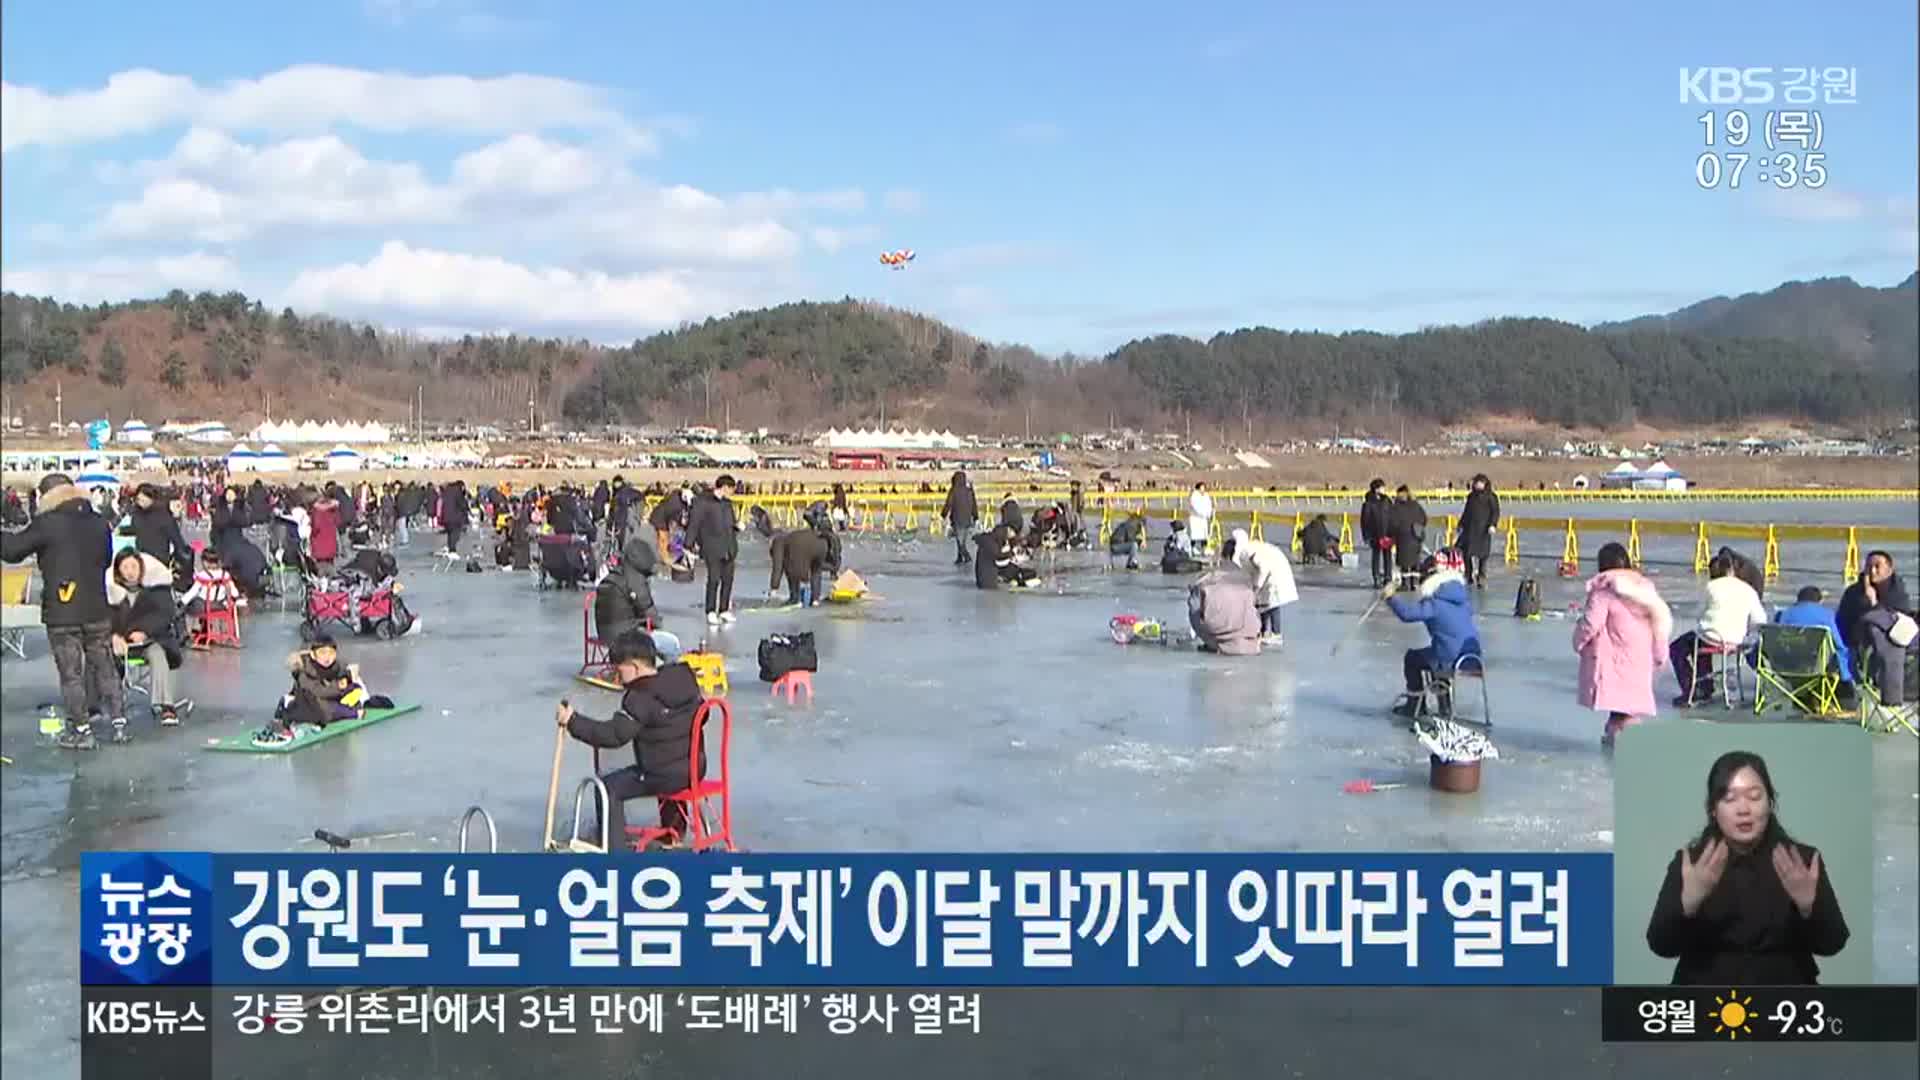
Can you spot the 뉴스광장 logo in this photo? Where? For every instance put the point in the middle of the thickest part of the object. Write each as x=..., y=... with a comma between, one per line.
x=146, y=918
x=1726, y=86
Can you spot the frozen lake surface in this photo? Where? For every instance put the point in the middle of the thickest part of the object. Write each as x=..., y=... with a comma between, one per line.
x=946, y=719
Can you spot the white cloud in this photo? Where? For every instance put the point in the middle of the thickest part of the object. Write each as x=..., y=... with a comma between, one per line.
x=306, y=99
x=408, y=284
x=213, y=189
x=123, y=279
x=903, y=201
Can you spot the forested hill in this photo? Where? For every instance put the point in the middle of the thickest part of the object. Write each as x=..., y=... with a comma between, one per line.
x=813, y=364
x=1880, y=326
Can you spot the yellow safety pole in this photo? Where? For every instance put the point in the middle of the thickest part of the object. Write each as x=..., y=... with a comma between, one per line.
x=1346, y=532
x=1447, y=539
x=1570, y=553
x=1633, y=541
x=1106, y=523
x=1254, y=531
x=1298, y=524
x=1215, y=538
x=1512, y=553
x=1702, y=551
x=1852, y=569
x=1771, y=566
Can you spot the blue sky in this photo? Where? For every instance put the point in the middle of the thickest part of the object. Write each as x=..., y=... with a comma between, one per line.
x=1070, y=177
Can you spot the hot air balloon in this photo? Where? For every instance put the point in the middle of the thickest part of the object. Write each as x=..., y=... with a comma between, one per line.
x=897, y=260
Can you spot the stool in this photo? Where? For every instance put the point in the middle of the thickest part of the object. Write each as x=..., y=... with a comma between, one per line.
x=792, y=683
x=1723, y=665
x=219, y=625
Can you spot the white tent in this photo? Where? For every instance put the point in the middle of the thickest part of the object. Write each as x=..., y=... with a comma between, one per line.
x=272, y=459
x=241, y=458
x=151, y=461
x=1625, y=468
x=1659, y=468
x=343, y=459
x=134, y=431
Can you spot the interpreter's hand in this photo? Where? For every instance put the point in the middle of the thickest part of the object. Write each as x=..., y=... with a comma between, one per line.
x=119, y=645
x=563, y=713
x=1801, y=878
x=1698, y=876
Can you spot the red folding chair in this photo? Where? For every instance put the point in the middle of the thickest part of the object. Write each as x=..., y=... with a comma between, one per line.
x=594, y=653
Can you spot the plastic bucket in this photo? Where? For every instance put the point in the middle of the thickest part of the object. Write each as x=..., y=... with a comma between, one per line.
x=1455, y=777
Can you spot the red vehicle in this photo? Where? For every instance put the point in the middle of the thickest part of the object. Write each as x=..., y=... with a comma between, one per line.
x=865, y=460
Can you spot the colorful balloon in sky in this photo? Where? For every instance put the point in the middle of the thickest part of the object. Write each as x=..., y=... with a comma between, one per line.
x=898, y=260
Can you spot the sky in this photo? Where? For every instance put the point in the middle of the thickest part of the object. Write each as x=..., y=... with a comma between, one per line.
x=1070, y=175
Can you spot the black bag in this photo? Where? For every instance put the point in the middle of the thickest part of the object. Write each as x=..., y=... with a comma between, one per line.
x=681, y=572
x=1526, y=604
x=781, y=653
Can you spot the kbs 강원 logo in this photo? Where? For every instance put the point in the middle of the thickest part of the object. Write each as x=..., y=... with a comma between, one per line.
x=1726, y=86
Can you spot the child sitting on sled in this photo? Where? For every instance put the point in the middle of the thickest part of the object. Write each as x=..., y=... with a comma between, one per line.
x=325, y=691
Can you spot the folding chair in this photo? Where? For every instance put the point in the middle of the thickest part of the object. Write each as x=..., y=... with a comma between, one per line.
x=1795, y=666
x=595, y=652
x=18, y=615
x=708, y=826
x=136, y=675
x=1724, y=663
x=1876, y=715
x=1437, y=693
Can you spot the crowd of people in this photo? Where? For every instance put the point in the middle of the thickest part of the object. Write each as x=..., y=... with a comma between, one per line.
x=123, y=583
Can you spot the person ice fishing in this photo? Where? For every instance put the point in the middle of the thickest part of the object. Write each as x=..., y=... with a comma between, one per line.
x=659, y=704
x=623, y=601
x=1270, y=574
x=1177, y=556
x=1443, y=606
x=1127, y=539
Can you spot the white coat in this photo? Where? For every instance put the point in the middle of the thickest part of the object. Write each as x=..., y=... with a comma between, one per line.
x=1199, y=515
x=1268, y=569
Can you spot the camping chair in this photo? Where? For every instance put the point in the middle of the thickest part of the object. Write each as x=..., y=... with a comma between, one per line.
x=136, y=674
x=1796, y=663
x=18, y=615
x=1876, y=715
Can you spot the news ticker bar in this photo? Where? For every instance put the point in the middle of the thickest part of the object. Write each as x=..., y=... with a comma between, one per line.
x=1801, y=1014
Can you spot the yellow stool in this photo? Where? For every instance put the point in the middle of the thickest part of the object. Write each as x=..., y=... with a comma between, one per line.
x=710, y=671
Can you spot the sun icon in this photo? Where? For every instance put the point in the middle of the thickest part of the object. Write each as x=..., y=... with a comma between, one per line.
x=1731, y=1014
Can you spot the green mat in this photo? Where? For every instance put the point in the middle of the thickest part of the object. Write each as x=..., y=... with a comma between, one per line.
x=243, y=744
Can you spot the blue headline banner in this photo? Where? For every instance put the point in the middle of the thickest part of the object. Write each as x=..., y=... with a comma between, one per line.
x=1244, y=919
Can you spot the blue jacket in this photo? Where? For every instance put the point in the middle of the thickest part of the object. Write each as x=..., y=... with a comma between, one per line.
x=1809, y=613
x=1447, y=611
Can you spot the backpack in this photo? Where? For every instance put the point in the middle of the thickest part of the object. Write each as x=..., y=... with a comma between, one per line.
x=1526, y=603
x=781, y=653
